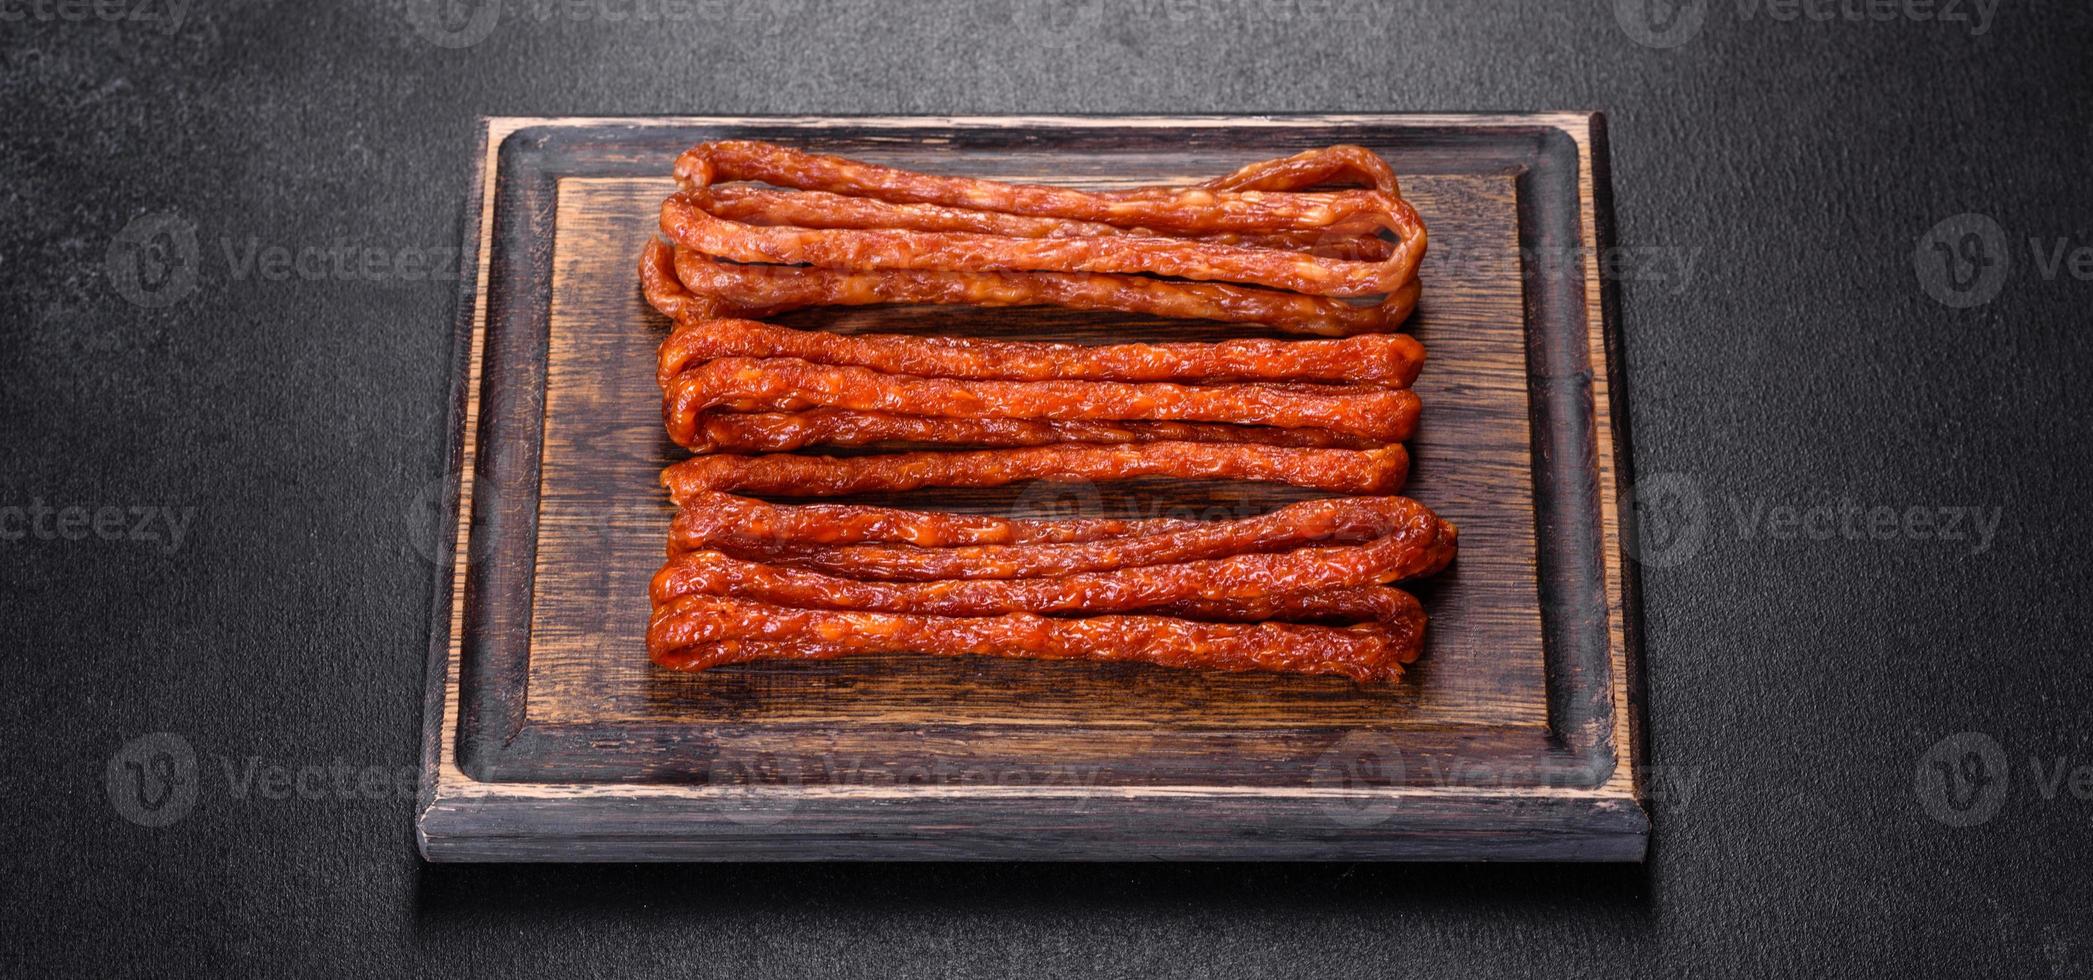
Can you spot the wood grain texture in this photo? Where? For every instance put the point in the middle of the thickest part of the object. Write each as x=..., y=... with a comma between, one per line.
x=603, y=438
x=1507, y=741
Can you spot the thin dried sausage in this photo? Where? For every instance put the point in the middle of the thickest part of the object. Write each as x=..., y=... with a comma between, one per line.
x=1235, y=578
x=745, y=384
x=1244, y=201
x=709, y=287
x=1348, y=471
x=710, y=519
x=691, y=226
x=1392, y=360
x=1334, y=521
x=781, y=432
x=820, y=209
x=698, y=632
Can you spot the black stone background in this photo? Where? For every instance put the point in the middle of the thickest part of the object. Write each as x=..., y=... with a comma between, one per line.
x=1796, y=686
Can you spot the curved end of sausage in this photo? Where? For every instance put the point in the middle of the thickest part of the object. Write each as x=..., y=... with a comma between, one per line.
x=1403, y=421
x=1445, y=545
x=1412, y=239
x=684, y=481
x=687, y=573
x=677, y=215
x=1398, y=306
x=658, y=282
x=683, y=412
x=663, y=646
x=694, y=167
x=675, y=354
x=1406, y=355
x=666, y=584
x=1391, y=469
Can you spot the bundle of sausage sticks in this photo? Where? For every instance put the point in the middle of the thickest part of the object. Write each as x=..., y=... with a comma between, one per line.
x=1318, y=247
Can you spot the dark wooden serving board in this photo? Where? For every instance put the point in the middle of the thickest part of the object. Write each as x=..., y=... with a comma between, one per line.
x=550, y=736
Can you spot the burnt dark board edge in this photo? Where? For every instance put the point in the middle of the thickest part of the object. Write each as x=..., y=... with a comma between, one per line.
x=503, y=539
x=1604, y=240
x=1177, y=826
x=443, y=546
x=1568, y=523
x=687, y=755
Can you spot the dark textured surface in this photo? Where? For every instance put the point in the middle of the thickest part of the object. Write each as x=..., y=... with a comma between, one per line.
x=1797, y=686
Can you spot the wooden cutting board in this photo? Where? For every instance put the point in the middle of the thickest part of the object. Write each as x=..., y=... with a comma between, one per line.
x=550, y=736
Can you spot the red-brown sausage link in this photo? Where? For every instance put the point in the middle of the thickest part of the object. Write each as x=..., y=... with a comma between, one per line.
x=1393, y=609
x=783, y=432
x=820, y=209
x=1174, y=211
x=717, y=519
x=1232, y=597
x=879, y=248
x=1337, y=165
x=1416, y=548
x=716, y=288
x=744, y=384
x=697, y=632
x=1348, y=471
x=1391, y=360
x=711, y=573
x=1336, y=521
x=1343, y=163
